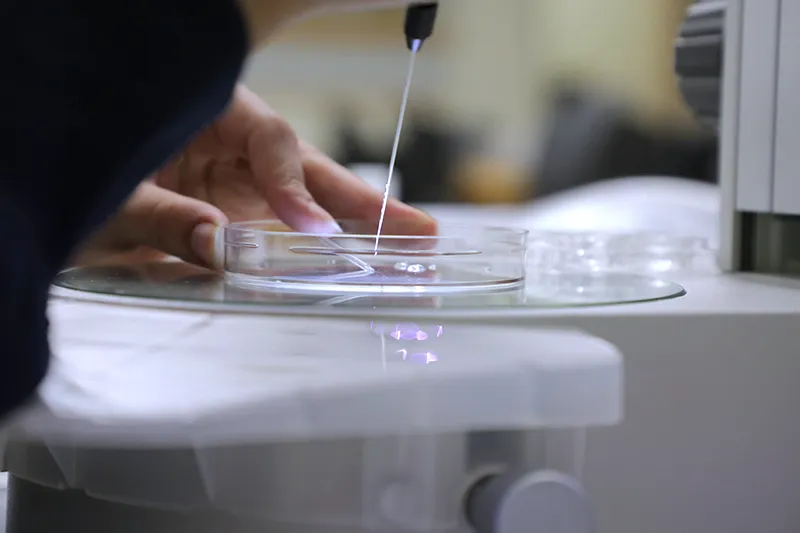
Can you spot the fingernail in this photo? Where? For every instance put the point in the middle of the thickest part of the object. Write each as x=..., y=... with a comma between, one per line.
x=323, y=222
x=334, y=227
x=207, y=244
x=322, y=227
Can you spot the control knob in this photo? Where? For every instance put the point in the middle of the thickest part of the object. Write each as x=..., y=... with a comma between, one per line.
x=698, y=59
x=543, y=501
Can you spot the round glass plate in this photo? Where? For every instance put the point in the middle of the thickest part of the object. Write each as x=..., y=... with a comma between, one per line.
x=179, y=285
x=264, y=255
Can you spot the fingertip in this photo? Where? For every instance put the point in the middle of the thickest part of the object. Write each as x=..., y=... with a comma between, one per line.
x=402, y=219
x=427, y=224
x=316, y=221
x=208, y=244
x=306, y=216
x=320, y=227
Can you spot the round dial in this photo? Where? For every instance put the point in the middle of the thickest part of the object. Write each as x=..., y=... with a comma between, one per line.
x=536, y=501
x=698, y=58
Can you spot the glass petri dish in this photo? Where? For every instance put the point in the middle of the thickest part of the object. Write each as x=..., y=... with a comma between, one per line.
x=266, y=255
x=640, y=253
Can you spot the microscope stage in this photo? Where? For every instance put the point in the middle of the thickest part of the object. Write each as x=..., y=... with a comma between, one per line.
x=174, y=285
x=710, y=374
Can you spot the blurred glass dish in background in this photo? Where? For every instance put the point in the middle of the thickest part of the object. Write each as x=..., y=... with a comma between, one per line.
x=634, y=253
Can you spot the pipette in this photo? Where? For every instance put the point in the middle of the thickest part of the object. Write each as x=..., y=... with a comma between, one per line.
x=420, y=19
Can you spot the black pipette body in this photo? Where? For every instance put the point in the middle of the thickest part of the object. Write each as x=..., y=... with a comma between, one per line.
x=420, y=19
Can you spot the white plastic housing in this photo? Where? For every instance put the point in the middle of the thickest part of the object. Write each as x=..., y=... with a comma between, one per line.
x=334, y=421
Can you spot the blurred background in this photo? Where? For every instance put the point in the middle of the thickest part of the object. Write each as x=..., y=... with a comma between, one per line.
x=512, y=100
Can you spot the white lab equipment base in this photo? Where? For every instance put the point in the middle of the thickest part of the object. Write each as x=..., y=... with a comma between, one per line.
x=3, y=499
x=207, y=422
x=711, y=436
x=710, y=439
x=707, y=444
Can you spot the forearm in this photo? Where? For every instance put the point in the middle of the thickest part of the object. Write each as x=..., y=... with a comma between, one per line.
x=94, y=96
x=100, y=93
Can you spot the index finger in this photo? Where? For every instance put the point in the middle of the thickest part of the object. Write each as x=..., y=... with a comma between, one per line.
x=252, y=130
x=346, y=197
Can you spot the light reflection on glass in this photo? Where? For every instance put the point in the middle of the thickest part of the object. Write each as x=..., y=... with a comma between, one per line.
x=409, y=332
x=421, y=358
x=425, y=358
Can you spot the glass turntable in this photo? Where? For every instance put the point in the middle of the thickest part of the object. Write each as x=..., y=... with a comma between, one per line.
x=270, y=269
x=174, y=284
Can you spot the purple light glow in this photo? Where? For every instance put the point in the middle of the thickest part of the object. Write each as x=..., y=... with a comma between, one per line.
x=405, y=332
x=409, y=332
x=425, y=358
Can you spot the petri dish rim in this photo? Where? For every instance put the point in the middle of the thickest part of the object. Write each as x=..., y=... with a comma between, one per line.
x=249, y=226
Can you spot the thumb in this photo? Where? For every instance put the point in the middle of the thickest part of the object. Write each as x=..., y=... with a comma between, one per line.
x=171, y=223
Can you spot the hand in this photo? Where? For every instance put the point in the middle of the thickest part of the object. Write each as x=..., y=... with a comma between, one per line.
x=249, y=165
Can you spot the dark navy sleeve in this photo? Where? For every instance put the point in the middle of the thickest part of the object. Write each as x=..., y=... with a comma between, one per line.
x=94, y=96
